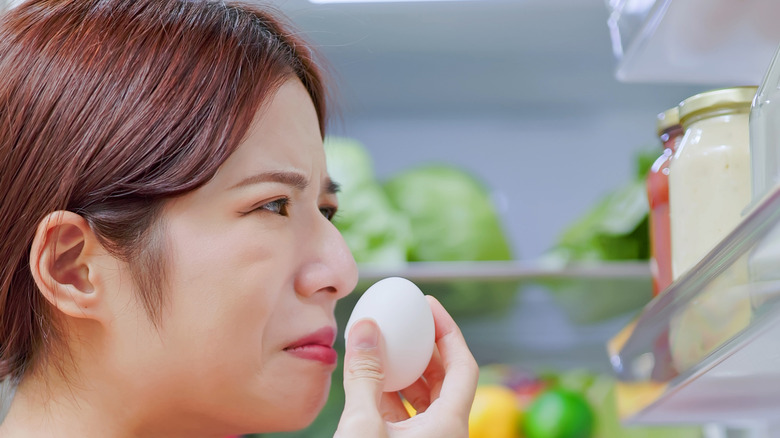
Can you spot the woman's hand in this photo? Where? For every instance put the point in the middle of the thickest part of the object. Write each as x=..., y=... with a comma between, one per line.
x=442, y=396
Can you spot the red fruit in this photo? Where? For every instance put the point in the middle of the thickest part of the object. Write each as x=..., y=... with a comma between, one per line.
x=528, y=392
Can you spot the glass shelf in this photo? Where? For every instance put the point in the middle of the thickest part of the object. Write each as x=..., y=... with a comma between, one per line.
x=707, y=349
x=518, y=271
x=536, y=315
x=719, y=42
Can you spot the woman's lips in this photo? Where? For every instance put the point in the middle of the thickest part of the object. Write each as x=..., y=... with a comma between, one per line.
x=316, y=346
x=320, y=353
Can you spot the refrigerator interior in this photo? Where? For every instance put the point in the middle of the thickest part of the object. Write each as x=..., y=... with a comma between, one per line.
x=545, y=102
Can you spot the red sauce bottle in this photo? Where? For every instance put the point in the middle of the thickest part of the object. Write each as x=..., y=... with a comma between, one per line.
x=670, y=132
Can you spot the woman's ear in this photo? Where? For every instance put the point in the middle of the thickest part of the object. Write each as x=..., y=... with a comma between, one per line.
x=63, y=261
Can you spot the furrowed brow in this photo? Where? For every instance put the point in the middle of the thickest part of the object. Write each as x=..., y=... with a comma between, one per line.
x=294, y=179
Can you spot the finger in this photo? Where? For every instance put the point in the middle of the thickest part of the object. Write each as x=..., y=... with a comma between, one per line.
x=418, y=394
x=392, y=407
x=363, y=370
x=461, y=370
x=434, y=374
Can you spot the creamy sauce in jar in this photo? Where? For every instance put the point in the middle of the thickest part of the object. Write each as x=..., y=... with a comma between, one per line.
x=709, y=189
x=709, y=185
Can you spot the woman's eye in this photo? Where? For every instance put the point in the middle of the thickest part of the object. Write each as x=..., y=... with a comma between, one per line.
x=278, y=206
x=328, y=212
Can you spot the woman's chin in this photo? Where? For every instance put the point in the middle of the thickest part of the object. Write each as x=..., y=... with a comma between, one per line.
x=291, y=424
x=308, y=417
x=299, y=410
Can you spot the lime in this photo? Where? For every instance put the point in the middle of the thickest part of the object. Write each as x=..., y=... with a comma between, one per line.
x=559, y=413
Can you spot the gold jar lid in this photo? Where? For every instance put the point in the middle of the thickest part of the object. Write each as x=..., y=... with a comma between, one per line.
x=716, y=101
x=667, y=119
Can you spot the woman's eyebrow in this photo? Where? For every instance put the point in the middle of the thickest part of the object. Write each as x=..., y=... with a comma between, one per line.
x=294, y=179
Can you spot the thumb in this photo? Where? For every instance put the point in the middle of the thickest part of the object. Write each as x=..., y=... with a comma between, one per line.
x=363, y=369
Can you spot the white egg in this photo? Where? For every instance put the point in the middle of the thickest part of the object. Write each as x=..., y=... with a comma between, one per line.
x=406, y=322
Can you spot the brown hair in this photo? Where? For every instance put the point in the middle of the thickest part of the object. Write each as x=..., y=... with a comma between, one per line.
x=108, y=108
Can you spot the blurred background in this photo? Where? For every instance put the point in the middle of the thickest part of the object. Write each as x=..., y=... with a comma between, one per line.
x=520, y=92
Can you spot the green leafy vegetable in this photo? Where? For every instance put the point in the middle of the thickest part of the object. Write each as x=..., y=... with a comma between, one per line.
x=616, y=228
x=451, y=213
x=374, y=230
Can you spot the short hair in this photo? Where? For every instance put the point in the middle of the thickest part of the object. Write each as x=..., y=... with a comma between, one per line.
x=110, y=107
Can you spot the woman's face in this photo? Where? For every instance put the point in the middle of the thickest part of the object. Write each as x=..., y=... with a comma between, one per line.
x=255, y=268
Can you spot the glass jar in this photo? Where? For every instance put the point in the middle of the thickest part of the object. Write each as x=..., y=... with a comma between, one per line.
x=709, y=178
x=670, y=132
x=709, y=188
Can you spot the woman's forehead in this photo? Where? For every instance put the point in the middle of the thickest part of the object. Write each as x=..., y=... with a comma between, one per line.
x=284, y=136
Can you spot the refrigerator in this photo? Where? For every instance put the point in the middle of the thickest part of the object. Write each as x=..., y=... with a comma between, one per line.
x=547, y=103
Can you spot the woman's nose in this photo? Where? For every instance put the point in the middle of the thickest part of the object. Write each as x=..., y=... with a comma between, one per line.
x=328, y=266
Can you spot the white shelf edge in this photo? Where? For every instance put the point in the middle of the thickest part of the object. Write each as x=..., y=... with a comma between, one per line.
x=507, y=270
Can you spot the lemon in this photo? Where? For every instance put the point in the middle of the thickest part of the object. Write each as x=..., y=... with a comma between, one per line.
x=494, y=414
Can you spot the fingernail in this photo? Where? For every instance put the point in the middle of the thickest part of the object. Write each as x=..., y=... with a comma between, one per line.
x=364, y=335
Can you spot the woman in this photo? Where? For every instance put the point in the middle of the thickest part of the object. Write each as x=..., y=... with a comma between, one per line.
x=169, y=268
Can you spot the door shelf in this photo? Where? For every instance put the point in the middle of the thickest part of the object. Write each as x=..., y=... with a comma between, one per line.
x=719, y=42
x=707, y=349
